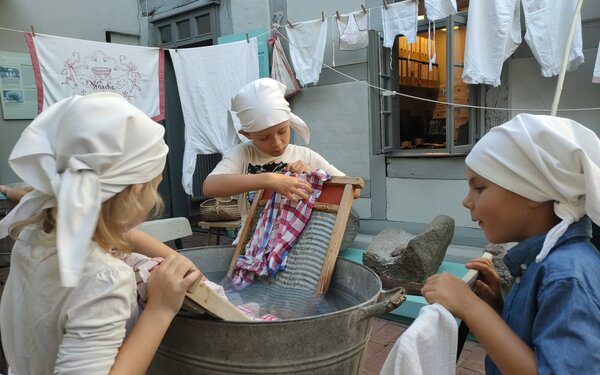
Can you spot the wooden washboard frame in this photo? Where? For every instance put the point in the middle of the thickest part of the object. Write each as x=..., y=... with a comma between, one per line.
x=336, y=197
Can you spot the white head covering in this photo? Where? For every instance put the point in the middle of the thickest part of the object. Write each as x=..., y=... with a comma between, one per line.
x=261, y=104
x=544, y=158
x=77, y=154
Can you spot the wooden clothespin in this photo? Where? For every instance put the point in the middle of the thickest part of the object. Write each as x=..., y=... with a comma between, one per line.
x=247, y=38
x=363, y=8
x=337, y=14
x=385, y=4
x=176, y=48
x=290, y=25
x=32, y=31
x=322, y=16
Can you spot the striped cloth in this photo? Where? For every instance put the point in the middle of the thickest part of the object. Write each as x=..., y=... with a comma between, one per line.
x=279, y=226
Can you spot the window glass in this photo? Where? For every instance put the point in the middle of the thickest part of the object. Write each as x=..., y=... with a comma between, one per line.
x=183, y=29
x=427, y=125
x=203, y=24
x=165, y=34
x=462, y=130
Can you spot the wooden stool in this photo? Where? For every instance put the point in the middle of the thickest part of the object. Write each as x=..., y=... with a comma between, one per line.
x=229, y=225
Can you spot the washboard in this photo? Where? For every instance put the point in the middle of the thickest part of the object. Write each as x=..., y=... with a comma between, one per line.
x=327, y=224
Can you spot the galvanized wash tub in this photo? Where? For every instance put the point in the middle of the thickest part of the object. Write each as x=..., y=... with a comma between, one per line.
x=331, y=343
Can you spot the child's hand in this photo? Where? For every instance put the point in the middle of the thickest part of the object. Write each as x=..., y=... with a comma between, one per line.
x=168, y=283
x=449, y=291
x=487, y=284
x=293, y=188
x=299, y=167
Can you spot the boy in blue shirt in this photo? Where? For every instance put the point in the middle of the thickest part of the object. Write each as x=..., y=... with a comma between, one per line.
x=534, y=180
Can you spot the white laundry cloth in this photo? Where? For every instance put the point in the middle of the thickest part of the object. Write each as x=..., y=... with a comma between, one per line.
x=353, y=29
x=544, y=158
x=207, y=79
x=400, y=18
x=548, y=24
x=493, y=34
x=428, y=346
x=307, y=47
x=596, y=77
x=66, y=66
x=77, y=154
x=261, y=104
x=438, y=9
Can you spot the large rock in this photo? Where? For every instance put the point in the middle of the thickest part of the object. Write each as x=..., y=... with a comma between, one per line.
x=498, y=252
x=351, y=230
x=403, y=259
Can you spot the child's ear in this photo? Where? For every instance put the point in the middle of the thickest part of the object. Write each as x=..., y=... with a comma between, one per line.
x=245, y=134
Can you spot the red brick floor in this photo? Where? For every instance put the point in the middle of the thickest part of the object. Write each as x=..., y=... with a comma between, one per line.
x=384, y=334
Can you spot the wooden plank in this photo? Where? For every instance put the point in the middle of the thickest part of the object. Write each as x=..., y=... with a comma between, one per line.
x=472, y=275
x=213, y=303
x=244, y=235
x=336, y=239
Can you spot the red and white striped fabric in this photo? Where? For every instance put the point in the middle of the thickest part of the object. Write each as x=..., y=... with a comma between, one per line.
x=277, y=230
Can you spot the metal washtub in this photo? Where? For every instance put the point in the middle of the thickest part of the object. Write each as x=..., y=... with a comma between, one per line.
x=329, y=343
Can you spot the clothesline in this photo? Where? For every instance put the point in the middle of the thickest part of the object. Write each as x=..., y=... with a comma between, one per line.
x=386, y=92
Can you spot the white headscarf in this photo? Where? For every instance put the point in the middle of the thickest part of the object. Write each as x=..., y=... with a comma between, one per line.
x=261, y=104
x=77, y=154
x=544, y=158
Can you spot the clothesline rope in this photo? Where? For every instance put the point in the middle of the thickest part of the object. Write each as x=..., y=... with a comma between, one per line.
x=387, y=92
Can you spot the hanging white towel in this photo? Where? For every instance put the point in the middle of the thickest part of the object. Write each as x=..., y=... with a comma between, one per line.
x=353, y=29
x=307, y=47
x=400, y=19
x=596, y=78
x=64, y=67
x=493, y=34
x=428, y=346
x=207, y=79
x=548, y=28
x=438, y=9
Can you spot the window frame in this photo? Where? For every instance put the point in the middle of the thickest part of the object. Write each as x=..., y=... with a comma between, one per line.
x=177, y=16
x=386, y=132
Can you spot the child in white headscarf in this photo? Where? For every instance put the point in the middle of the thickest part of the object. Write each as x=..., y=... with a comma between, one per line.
x=94, y=163
x=266, y=119
x=534, y=180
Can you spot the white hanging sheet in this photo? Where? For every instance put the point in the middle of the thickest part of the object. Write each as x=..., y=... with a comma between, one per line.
x=353, y=29
x=399, y=19
x=439, y=9
x=548, y=24
x=207, y=79
x=307, y=47
x=65, y=66
x=493, y=34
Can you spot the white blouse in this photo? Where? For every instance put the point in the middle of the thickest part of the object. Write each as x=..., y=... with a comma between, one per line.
x=49, y=329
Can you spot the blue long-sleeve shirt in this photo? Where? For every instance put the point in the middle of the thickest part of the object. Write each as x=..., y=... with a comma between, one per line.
x=554, y=306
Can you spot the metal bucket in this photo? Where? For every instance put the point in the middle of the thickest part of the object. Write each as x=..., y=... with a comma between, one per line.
x=332, y=343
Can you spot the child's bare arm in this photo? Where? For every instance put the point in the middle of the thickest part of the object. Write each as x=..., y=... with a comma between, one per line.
x=510, y=354
x=232, y=184
x=166, y=291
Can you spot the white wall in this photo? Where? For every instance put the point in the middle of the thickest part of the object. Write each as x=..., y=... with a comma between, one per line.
x=68, y=18
x=338, y=120
x=528, y=89
x=420, y=201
